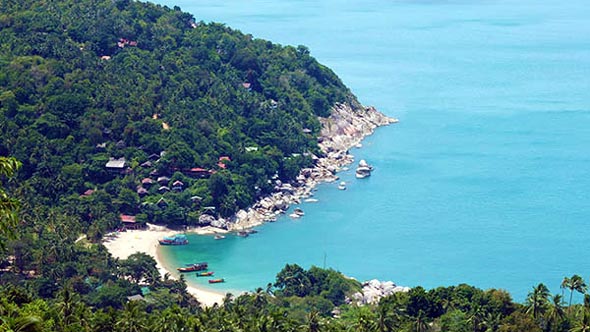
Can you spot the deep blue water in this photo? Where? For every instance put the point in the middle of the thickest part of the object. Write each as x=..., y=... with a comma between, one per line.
x=486, y=178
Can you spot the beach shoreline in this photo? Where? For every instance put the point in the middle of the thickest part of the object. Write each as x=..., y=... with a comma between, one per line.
x=344, y=129
x=145, y=241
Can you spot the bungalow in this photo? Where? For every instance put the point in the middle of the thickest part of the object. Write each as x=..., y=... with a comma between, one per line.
x=141, y=191
x=163, y=180
x=136, y=297
x=163, y=189
x=147, y=164
x=198, y=172
x=162, y=203
x=147, y=182
x=177, y=185
x=129, y=221
x=117, y=165
x=222, y=161
x=209, y=209
x=87, y=193
x=247, y=86
x=154, y=156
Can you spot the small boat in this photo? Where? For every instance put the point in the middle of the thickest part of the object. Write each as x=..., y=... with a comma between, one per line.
x=219, y=237
x=205, y=274
x=251, y=231
x=216, y=281
x=243, y=234
x=342, y=185
x=298, y=212
x=294, y=215
x=311, y=200
x=193, y=267
x=363, y=170
x=363, y=163
x=175, y=240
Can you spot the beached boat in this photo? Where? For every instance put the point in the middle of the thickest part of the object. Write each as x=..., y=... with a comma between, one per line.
x=342, y=185
x=216, y=281
x=175, y=240
x=193, y=267
x=219, y=237
x=205, y=274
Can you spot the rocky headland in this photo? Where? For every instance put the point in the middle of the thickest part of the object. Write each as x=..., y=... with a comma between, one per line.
x=345, y=128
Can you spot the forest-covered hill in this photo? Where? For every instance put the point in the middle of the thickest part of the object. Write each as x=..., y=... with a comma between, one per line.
x=198, y=114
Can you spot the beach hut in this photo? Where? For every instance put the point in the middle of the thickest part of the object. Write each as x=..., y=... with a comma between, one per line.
x=129, y=222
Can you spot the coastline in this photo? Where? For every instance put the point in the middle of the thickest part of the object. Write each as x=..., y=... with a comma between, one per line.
x=345, y=128
x=146, y=241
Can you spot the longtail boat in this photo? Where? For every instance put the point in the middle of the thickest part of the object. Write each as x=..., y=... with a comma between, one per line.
x=176, y=240
x=205, y=274
x=194, y=267
x=216, y=281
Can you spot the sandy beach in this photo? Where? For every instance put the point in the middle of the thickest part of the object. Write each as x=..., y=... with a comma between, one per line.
x=146, y=241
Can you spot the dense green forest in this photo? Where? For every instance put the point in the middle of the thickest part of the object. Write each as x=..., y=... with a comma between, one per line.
x=198, y=114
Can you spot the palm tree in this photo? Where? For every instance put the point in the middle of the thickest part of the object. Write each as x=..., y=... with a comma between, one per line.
x=21, y=324
x=576, y=284
x=582, y=325
x=556, y=313
x=420, y=324
x=537, y=300
x=565, y=283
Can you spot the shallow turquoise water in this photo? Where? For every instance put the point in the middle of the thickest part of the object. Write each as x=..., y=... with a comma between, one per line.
x=486, y=178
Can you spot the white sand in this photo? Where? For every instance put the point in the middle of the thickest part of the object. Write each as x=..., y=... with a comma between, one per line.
x=146, y=241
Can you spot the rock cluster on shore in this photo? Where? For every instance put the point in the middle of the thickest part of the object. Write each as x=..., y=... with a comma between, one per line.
x=374, y=290
x=343, y=129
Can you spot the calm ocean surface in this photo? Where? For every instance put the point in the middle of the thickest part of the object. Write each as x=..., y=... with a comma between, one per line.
x=485, y=180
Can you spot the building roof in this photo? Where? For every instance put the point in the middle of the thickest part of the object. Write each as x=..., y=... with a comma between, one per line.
x=147, y=181
x=116, y=163
x=177, y=183
x=127, y=218
x=163, y=179
x=136, y=297
x=88, y=193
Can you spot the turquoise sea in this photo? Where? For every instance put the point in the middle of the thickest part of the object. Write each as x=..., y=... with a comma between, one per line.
x=486, y=179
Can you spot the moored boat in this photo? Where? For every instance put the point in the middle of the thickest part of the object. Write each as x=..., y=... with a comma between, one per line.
x=219, y=237
x=342, y=185
x=243, y=234
x=175, y=240
x=363, y=170
x=205, y=274
x=298, y=212
x=216, y=281
x=193, y=267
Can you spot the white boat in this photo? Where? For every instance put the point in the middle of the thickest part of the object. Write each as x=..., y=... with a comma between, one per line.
x=363, y=170
x=310, y=200
x=342, y=185
x=363, y=163
x=219, y=237
x=298, y=212
x=294, y=215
